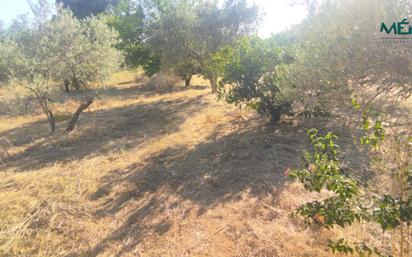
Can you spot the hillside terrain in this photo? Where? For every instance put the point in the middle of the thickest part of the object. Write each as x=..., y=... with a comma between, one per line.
x=165, y=171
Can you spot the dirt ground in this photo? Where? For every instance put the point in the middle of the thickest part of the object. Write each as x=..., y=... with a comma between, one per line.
x=162, y=172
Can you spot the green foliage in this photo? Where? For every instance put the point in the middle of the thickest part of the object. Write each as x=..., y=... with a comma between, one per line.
x=322, y=171
x=251, y=75
x=371, y=126
x=128, y=19
x=392, y=211
x=337, y=46
x=68, y=49
x=333, y=211
x=99, y=57
x=152, y=64
x=12, y=61
x=362, y=249
x=388, y=212
x=340, y=246
x=65, y=49
x=185, y=34
x=169, y=32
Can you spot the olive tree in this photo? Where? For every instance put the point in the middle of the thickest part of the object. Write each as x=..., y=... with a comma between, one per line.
x=84, y=49
x=168, y=29
x=11, y=61
x=65, y=48
x=185, y=34
x=339, y=44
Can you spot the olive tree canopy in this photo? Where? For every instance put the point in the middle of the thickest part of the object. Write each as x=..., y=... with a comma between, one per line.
x=185, y=34
x=55, y=46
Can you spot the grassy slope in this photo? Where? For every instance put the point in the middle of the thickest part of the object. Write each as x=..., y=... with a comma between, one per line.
x=156, y=171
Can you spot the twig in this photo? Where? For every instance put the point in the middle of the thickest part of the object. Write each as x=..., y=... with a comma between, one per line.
x=207, y=238
x=272, y=208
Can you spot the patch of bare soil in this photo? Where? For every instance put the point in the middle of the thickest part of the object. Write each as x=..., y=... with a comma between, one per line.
x=163, y=171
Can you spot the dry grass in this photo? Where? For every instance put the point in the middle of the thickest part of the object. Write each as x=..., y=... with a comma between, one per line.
x=158, y=171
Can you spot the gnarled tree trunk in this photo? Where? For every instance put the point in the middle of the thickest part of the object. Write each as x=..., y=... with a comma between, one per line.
x=188, y=78
x=66, y=85
x=76, y=115
x=76, y=83
x=52, y=122
x=44, y=103
x=275, y=116
x=213, y=83
x=276, y=113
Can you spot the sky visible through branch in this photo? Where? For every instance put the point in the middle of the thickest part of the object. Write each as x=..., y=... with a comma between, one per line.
x=277, y=14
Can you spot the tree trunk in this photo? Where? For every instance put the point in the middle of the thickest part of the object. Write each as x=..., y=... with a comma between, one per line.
x=43, y=101
x=66, y=85
x=52, y=122
x=284, y=108
x=275, y=117
x=213, y=83
x=76, y=83
x=76, y=115
x=187, y=80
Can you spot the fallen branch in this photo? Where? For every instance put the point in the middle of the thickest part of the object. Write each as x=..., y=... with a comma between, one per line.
x=272, y=208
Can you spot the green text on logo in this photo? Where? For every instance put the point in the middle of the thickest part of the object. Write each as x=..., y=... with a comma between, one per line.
x=397, y=28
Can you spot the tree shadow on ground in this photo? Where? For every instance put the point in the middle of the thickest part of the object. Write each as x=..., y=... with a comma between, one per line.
x=18, y=106
x=220, y=170
x=28, y=104
x=27, y=133
x=101, y=132
x=143, y=90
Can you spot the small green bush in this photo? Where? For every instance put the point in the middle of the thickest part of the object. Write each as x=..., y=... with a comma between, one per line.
x=251, y=71
x=322, y=170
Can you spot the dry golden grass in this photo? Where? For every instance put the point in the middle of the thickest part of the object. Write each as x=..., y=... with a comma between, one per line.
x=158, y=171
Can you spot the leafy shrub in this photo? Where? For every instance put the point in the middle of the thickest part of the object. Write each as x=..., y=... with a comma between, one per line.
x=251, y=71
x=322, y=170
x=127, y=17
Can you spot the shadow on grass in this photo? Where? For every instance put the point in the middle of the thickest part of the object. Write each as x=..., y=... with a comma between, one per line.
x=28, y=104
x=220, y=170
x=145, y=90
x=102, y=132
x=27, y=133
